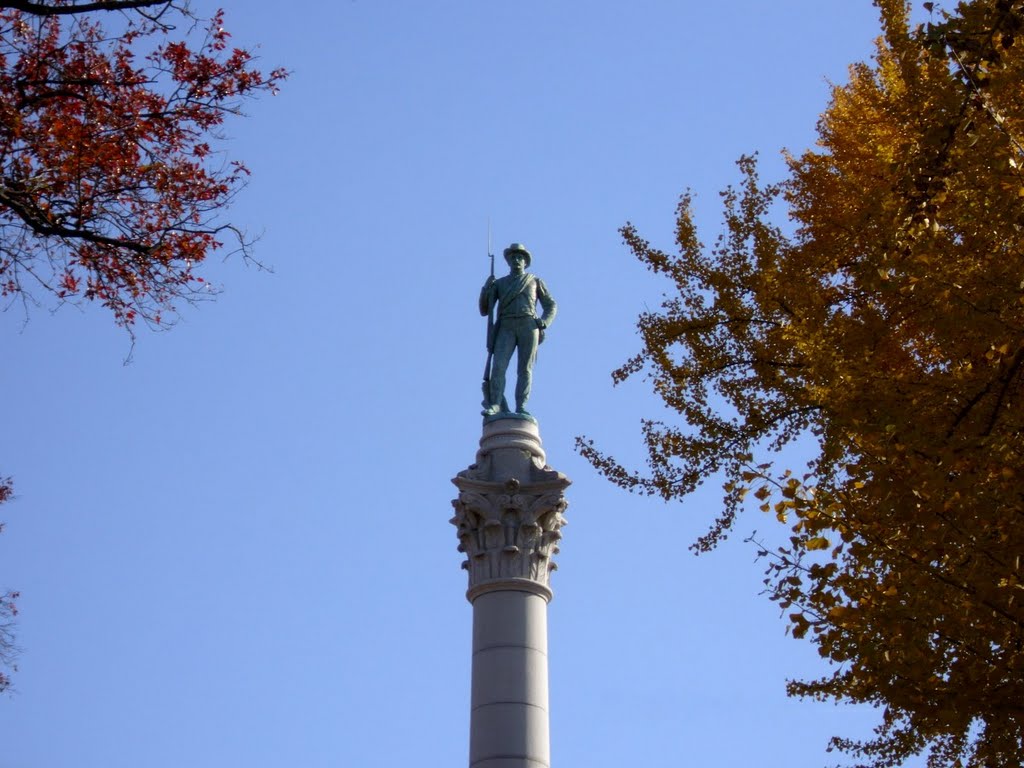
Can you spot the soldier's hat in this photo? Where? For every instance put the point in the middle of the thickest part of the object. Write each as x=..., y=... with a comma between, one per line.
x=518, y=248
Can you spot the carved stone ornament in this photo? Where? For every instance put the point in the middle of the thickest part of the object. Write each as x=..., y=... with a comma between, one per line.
x=508, y=514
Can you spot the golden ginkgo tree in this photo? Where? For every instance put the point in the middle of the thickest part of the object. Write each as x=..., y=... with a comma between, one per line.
x=889, y=328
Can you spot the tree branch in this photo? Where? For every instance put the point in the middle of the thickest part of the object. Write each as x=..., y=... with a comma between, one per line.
x=42, y=9
x=41, y=226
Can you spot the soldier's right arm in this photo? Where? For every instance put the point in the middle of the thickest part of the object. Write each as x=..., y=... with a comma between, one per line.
x=488, y=295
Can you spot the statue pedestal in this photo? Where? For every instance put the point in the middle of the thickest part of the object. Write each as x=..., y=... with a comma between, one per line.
x=509, y=515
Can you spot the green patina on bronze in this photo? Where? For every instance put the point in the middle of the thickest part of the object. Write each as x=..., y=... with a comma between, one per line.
x=515, y=328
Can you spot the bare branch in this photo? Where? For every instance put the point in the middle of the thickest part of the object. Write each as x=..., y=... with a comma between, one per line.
x=42, y=9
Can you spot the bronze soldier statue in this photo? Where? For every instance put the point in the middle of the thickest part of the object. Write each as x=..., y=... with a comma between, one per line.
x=517, y=327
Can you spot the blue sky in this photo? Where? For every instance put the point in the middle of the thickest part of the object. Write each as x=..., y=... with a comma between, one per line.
x=236, y=549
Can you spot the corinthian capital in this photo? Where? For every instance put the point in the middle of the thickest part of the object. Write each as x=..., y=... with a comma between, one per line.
x=508, y=514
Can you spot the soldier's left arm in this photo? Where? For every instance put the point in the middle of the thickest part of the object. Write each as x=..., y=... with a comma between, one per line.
x=547, y=303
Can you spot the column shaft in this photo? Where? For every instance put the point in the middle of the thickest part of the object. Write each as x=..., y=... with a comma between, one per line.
x=509, y=725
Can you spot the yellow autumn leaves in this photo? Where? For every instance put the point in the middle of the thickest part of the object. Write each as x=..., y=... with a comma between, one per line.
x=889, y=331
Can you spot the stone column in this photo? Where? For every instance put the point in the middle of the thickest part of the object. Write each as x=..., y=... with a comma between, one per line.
x=509, y=515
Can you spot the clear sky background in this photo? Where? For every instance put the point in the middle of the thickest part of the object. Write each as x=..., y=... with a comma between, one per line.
x=235, y=551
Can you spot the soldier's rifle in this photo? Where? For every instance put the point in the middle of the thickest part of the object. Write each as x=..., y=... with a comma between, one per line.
x=490, y=326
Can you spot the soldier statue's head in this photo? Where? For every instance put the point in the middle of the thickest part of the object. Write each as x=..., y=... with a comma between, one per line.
x=517, y=248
